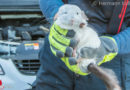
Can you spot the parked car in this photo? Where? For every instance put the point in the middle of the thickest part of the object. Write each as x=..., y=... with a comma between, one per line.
x=21, y=36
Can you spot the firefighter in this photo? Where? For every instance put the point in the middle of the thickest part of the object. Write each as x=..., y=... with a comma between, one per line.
x=110, y=18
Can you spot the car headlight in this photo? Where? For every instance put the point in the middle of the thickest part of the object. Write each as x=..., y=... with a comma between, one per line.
x=1, y=71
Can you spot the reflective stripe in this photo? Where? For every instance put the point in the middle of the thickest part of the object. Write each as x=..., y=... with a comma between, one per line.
x=123, y=14
x=109, y=56
x=56, y=44
x=60, y=30
x=74, y=68
x=60, y=38
x=111, y=39
x=58, y=41
x=53, y=51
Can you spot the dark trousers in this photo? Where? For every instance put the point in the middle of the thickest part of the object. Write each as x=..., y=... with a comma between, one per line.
x=54, y=75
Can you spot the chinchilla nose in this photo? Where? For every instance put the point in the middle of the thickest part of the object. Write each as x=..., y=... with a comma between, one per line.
x=82, y=25
x=72, y=21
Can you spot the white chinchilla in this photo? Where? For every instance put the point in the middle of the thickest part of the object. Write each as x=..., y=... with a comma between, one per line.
x=71, y=17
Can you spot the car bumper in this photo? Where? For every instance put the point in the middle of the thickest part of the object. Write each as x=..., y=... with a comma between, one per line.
x=13, y=79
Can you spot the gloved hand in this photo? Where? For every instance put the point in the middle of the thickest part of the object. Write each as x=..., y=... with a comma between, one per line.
x=62, y=44
x=106, y=52
x=61, y=41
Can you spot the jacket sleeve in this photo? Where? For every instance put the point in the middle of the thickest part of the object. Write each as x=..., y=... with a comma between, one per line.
x=50, y=7
x=123, y=41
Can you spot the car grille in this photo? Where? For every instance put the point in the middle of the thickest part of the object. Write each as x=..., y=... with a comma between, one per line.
x=29, y=67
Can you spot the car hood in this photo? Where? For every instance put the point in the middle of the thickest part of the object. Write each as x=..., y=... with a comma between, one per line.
x=19, y=6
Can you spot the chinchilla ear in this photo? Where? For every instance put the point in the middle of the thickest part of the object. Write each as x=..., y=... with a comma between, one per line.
x=55, y=17
x=84, y=15
x=57, y=14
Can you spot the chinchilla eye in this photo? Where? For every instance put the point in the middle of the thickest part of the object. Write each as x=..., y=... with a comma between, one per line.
x=65, y=12
x=77, y=13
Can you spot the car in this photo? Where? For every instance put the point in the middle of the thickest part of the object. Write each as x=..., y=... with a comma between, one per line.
x=22, y=32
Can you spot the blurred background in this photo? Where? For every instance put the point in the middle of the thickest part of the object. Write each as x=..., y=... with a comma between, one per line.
x=22, y=32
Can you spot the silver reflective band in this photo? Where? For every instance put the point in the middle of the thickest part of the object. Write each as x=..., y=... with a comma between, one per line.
x=1, y=71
